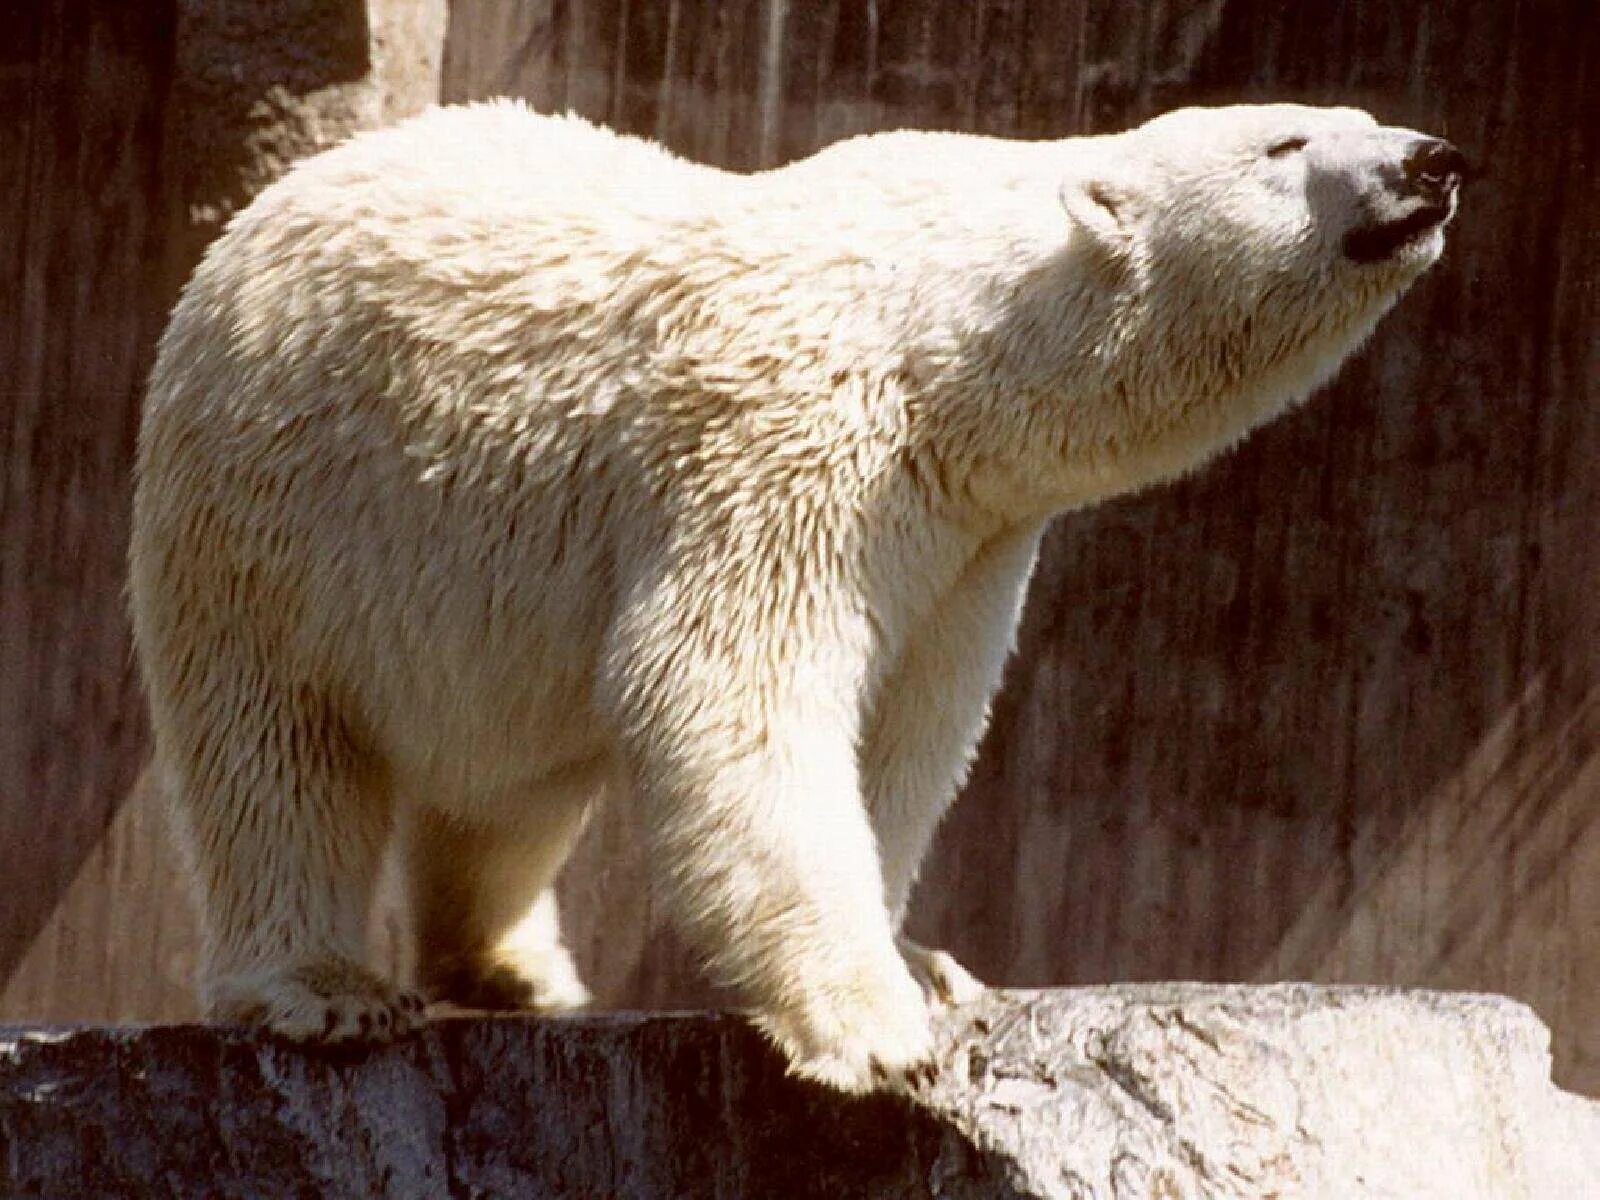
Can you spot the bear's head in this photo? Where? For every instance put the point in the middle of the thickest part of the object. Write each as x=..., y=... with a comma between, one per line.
x=1258, y=194
x=1221, y=263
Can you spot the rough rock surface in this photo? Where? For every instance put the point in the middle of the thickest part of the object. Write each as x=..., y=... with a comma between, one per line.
x=1135, y=1091
x=261, y=83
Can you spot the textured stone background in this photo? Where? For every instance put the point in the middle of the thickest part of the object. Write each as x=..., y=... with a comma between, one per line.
x=1328, y=710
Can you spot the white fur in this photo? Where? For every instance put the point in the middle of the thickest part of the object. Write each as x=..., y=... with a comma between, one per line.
x=496, y=460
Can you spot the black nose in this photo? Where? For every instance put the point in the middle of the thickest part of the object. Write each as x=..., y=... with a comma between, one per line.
x=1433, y=167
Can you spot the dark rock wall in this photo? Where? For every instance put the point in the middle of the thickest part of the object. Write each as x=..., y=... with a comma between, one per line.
x=1327, y=710
x=84, y=90
x=128, y=133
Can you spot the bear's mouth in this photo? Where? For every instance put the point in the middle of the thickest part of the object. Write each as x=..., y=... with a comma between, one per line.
x=1375, y=243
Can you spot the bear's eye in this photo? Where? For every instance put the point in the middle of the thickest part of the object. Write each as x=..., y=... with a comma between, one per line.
x=1287, y=146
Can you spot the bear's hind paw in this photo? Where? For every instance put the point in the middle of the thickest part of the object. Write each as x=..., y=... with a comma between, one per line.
x=330, y=1002
x=506, y=987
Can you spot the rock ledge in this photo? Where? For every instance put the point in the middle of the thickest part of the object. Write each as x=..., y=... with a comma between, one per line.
x=1169, y=1091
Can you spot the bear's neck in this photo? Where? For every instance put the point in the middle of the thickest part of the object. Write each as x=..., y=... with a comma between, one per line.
x=1076, y=391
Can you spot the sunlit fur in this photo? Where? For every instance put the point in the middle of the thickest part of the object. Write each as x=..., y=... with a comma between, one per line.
x=495, y=461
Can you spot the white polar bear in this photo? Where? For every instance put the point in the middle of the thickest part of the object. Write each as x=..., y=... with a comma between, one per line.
x=494, y=461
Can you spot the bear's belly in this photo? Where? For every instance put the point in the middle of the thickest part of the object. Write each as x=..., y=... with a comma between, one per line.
x=467, y=734
x=469, y=674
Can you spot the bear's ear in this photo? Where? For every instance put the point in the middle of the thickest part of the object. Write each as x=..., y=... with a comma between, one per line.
x=1103, y=206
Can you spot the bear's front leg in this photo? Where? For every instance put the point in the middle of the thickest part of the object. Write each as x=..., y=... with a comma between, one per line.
x=741, y=742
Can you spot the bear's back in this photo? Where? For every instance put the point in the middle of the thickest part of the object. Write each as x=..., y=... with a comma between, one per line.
x=495, y=159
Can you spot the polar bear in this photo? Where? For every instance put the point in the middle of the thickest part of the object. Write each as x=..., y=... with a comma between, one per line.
x=495, y=461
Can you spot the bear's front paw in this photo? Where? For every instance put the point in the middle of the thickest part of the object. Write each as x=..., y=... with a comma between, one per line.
x=859, y=1041
x=329, y=1001
x=944, y=981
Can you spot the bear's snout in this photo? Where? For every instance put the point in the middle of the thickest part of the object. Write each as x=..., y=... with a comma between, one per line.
x=1433, y=168
x=1416, y=183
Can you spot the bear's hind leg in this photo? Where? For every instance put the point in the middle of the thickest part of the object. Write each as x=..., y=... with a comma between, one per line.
x=484, y=911
x=287, y=822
